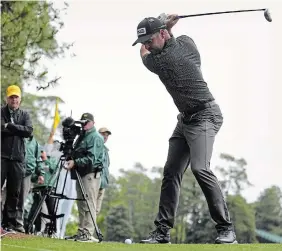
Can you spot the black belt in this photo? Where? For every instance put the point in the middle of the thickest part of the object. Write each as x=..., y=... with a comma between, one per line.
x=198, y=108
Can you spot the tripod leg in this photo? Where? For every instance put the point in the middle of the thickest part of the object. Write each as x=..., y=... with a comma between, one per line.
x=86, y=199
x=37, y=211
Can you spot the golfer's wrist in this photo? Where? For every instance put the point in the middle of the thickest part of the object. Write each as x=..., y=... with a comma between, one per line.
x=169, y=32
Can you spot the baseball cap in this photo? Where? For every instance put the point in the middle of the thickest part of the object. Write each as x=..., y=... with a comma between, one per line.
x=146, y=28
x=104, y=129
x=13, y=90
x=87, y=116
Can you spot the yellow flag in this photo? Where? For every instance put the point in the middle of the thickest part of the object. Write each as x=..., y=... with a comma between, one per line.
x=56, y=117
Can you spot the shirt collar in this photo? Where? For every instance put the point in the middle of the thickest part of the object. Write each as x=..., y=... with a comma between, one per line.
x=93, y=129
x=169, y=42
x=12, y=111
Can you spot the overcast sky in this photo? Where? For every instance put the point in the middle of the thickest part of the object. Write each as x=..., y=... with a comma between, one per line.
x=240, y=54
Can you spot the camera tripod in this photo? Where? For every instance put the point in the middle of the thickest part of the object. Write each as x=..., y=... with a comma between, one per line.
x=52, y=193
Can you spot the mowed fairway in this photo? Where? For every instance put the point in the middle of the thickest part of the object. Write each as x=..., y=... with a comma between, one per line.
x=47, y=244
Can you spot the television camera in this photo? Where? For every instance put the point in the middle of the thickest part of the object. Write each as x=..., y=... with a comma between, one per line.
x=71, y=129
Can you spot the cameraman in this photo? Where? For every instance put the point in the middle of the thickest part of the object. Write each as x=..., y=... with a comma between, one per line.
x=88, y=159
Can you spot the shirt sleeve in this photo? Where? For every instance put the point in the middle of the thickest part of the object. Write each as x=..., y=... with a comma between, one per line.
x=22, y=130
x=99, y=152
x=89, y=154
x=149, y=62
x=187, y=40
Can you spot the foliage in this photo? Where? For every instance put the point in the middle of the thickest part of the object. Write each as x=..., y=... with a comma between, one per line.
x=28, y=34
x=118, y=225
x=233, y=174
x=131, y=203
x=243, y=217
x=71, y=228
x=41, y=110
x=269, y=210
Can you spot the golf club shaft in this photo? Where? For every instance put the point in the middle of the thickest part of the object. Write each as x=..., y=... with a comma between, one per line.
x=221, y=12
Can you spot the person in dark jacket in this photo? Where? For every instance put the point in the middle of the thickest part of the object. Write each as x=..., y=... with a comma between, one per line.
x=15, y=126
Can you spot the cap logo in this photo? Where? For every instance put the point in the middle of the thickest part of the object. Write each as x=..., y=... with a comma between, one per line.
x=141, y=31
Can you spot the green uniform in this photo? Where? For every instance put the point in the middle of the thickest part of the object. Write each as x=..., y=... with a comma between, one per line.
x=32, y=155
x=105, y=172
x=48, y=168
x=89, y=152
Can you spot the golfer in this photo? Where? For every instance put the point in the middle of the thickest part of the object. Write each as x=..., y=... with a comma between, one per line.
x=177, y=62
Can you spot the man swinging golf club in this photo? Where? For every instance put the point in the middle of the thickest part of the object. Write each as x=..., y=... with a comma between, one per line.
x=177, y=63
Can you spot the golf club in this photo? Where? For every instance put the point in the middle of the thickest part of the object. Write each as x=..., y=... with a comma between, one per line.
x=266, y=13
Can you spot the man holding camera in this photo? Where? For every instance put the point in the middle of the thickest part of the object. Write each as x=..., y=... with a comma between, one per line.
x=15, y=126
x=88, y=161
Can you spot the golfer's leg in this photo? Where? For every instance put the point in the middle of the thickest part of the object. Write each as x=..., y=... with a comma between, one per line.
x=177, y=161
x=201, y=138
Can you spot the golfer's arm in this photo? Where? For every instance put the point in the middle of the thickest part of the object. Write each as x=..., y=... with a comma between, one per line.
x=147, y=59
x=169, y=32
x=143, y=51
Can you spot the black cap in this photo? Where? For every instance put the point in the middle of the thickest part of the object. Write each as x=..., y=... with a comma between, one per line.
x=87, y=116
x=146, y=28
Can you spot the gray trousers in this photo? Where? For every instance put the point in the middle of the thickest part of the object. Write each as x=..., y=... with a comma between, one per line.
x=192, y=143
x=91, y=185
x=100, y=198
x=25, y=189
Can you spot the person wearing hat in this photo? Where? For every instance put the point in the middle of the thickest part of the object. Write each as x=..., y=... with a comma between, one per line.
x=105, y=172
x=44, y=179
x=16, y=125
x=88, y=161
x=177, y=62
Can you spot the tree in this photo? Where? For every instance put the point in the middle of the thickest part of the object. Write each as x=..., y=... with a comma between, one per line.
x=41, y=110
x=269, y=210
x=243, y=218
x=136, y=192
x=28, y=34
x=71, y=227
x=234, y=178
x=118, y=225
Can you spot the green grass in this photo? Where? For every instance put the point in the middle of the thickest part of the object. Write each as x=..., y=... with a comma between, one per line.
x=47, y=244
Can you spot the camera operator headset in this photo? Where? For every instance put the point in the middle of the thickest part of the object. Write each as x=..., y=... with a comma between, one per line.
x=87, y=160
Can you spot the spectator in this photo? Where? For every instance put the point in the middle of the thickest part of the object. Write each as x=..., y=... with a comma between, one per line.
x=105, y=172
x=15, y=126
x=49, y=166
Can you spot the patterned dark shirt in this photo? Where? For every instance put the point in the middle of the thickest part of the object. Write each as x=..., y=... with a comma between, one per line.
x=178, y=66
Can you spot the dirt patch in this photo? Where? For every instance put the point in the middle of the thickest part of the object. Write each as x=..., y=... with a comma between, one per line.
x=17, y=236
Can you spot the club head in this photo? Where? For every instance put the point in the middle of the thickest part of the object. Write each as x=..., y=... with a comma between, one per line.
x=267, y=15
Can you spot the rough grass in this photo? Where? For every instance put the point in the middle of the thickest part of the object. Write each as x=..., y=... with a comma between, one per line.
x=10, y=243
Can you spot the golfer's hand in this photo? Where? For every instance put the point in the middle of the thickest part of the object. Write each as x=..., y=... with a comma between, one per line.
x=40, y=180
x=69, y=165
x=172, y=19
